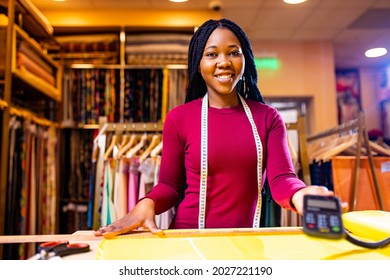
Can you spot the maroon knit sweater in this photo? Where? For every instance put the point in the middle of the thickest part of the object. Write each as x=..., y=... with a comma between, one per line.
x=232, y=164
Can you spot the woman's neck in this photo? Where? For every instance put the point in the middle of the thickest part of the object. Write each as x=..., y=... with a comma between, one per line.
x=223, y=101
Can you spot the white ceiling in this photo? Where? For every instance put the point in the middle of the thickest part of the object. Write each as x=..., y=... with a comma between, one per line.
x=352, y=25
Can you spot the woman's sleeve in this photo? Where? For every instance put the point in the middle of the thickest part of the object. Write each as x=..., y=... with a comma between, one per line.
x=279, y=168
x=167, y=192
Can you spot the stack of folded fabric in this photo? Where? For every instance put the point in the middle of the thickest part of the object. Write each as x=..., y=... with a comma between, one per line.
x=94, y=49
x=28, y=60
x=157, y=48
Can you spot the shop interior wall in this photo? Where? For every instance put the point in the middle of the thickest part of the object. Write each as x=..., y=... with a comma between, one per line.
x=306, y=70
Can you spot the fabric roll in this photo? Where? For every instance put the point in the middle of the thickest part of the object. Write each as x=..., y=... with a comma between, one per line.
x=23, y=48
x=25, y=63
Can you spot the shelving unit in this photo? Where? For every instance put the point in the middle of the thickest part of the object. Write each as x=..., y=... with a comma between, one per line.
x=21, y=88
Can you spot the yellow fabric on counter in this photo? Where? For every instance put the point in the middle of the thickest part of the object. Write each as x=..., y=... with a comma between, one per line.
x=373, y=225
x=187, y=245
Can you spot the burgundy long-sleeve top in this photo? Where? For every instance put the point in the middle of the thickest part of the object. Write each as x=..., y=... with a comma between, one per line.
x=232, y=188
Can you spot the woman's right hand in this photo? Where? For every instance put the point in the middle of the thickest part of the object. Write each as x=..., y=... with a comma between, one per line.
x=142, y=215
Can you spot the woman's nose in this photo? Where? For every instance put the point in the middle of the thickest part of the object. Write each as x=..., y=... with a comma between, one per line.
x=224, y=62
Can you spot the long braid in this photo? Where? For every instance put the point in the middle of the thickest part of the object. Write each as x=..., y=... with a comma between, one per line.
x=196, y=85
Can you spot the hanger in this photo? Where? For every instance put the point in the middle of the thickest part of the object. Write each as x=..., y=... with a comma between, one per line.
x=379, y=148
x=157, y=150
x=130, y=143
x=351, y=151
x=111, y=147
x=344, y=143
x=141, y=143
x=320, y=146
x=95, y=152
x=156, y=139
x=101, y=132
x=124, y=139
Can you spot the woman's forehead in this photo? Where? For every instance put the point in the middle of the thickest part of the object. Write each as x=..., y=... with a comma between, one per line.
x=223, y=35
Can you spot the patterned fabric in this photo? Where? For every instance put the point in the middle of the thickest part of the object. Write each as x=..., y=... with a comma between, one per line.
x=31, y=204
x=93, y=94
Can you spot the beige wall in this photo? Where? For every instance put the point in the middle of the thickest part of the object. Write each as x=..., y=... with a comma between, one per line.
x=306, y=70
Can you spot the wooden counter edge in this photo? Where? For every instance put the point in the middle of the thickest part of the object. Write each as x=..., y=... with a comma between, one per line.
x=88, y=235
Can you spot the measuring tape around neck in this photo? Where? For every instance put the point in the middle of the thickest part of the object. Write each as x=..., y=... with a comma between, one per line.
x=204, y=167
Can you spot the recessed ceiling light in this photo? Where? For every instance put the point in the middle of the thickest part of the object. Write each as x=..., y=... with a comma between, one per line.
x=375, y=52
x=294, y=1
x=178, y=1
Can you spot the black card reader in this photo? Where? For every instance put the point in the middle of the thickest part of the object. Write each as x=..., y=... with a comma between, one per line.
x=322, y=216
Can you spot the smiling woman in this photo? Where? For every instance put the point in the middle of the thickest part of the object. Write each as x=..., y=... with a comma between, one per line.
x=219, y=144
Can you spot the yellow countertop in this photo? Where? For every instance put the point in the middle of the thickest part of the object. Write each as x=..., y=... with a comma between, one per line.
x=289, y=243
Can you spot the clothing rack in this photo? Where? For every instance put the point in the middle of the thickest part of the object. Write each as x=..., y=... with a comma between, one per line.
x=114, y=146
x=104, y=127
x=356, y=126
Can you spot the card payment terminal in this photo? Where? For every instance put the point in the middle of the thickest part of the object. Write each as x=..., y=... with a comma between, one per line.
x=322, y=216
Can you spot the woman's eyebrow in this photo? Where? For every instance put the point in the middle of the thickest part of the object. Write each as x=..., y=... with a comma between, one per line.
x=229, y=46
x=210, y=47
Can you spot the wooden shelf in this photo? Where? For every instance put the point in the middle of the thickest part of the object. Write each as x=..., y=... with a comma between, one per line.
x=30, y=79
x=33, y=82
x=27, y=80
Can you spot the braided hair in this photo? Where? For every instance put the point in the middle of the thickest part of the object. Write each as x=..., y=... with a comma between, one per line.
x=247, y=87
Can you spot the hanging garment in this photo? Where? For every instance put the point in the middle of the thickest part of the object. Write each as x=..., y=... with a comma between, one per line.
x=13, y=206
x=108, y=215
x=31, y=221
x=42, y=181
x=146, y=169
x=121, y=188
x=133, y=185
x=101, y=142
x=51, y=172
x=164, y=219
x=321, y=174
x=92, y=181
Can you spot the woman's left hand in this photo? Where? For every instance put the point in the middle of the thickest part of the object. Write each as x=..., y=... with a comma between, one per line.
x=297, y=198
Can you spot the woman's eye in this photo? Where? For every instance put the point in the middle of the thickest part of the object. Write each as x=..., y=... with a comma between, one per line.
x=235, y=53
x=211, y=54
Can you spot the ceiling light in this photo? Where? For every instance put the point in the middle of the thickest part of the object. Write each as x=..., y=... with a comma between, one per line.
x=178, y=1
x=375, y=52
x=294, y=1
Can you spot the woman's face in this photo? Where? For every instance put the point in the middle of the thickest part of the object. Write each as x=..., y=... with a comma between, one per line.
x=222, y=64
